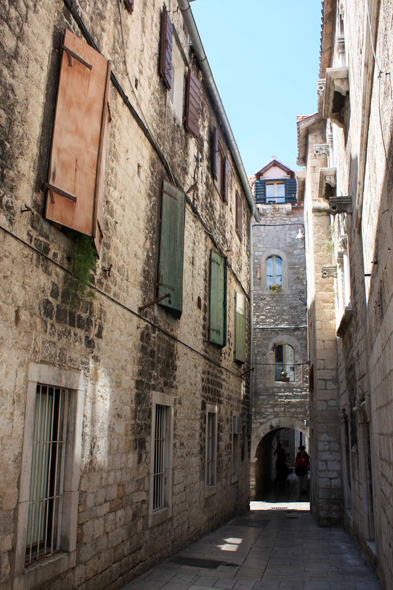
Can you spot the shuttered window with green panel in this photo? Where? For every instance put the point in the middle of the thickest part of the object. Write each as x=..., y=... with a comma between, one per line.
x=240, y=327
x=170, y=266
x=218, y=300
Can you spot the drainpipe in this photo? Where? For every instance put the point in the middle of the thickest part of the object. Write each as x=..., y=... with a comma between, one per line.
x=211, y=85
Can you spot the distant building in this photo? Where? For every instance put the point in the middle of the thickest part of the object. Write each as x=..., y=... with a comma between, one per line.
x=280, y=398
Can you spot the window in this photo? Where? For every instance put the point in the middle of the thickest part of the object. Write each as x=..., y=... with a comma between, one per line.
x=49, y=483
x=176, y=91
x=80, y=135
x=220, y=168
x=218, y=300
x=273, y=272
x=192, y=104
x=161, y=459
x=285, y=362
x=275, y=192
x=239, y=217
x=211, y=449
x=236, y=432
x=47, y=473
x=170, y=265
x=240, y=327
x=166, y=43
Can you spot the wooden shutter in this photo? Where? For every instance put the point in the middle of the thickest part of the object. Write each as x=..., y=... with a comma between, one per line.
x=260, y=191
x=225, y=181
x=166, y=49
x=170, y=267
x=240, y=327
x=290, y=187
x=218, y=300
x=215, y=154
x=192, y=104
x=239, y=216
x=129, y=5
x=77, y=160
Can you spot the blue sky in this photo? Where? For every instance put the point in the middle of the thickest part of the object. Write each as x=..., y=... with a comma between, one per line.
x=265, y=59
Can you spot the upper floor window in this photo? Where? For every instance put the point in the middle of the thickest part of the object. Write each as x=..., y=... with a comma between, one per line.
x=275, y=192
x=274, y=273
x=176, y=91
x=220, y=168
x=284, y=362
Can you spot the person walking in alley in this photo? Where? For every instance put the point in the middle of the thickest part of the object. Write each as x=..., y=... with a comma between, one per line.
x=281, y=464
x=301, y=468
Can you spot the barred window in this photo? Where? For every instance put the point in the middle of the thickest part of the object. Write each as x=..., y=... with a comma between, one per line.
x=210, y=449
x=160, y=442
x=47, y=473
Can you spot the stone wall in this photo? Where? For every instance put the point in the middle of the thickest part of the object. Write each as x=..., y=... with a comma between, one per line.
x=124, y=356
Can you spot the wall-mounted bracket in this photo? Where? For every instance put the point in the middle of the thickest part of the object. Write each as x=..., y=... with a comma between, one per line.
x=329, y=271
x=341, y=204
x=321, y=149
x=167, y=296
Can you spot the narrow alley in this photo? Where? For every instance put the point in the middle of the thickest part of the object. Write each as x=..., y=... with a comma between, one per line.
x=276, y=546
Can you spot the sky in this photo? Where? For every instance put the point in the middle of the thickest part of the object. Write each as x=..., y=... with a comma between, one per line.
x=264, y=56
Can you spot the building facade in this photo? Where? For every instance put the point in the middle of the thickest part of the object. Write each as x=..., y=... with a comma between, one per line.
x=346, y=150
x=280, y=395
x=125, y=299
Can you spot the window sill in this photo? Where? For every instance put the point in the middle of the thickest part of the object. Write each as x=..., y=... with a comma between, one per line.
x=42, y=571
x=159, y=516
x=210, y=491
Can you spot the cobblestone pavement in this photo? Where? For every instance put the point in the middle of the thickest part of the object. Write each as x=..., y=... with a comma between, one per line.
x=276, y=546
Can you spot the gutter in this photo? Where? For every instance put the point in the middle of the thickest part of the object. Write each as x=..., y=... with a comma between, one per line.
x=211, y=85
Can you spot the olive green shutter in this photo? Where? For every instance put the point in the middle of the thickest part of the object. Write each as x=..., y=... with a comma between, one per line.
x=218, y=300
x=170, y=266
x=240, y=327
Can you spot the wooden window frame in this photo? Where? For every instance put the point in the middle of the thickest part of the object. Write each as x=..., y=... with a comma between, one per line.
x=240, y=328
x=239, y=216
x=220, y=168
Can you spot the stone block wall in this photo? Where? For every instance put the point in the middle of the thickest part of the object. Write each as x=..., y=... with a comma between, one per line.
x=126, y=357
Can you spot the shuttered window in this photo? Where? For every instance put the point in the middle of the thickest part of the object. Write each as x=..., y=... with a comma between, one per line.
x=129, y=5
x=170, y=267
x=240, y=327
x=192, y=104
x=220, y=168
x=218, y=300
x=239, y=217
x=80, y=134
x=166, y=49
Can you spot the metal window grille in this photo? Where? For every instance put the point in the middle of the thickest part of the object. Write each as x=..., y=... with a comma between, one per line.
x=159, y=457
x=47, y=473
x=210, y=449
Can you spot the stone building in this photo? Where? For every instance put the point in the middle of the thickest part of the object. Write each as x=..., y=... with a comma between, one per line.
x=346, y=150
x=124, y=388
x=280, y=396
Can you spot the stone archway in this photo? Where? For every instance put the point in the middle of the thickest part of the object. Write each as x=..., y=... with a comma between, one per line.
x=270, y=427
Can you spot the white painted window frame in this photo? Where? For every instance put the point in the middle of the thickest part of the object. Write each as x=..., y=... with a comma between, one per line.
x=158, y=516
x=211, y=489
x=45, y=569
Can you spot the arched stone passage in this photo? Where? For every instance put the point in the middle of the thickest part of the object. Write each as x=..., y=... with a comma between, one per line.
x=274, y=424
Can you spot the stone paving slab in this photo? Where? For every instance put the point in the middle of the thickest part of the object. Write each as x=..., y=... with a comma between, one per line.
x=287, y=552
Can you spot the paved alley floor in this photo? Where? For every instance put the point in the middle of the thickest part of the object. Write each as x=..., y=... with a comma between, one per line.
x=276, y=546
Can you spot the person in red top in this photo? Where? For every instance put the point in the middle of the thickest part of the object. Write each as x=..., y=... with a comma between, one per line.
x=301, y=468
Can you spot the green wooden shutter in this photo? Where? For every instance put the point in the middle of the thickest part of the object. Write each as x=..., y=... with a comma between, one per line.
x=218, y=300
x=170, y=266
x=240, y=327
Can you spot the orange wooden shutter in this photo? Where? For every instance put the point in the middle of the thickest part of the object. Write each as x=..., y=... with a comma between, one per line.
x=166, y=49
x=192, y=104
x=77, y=158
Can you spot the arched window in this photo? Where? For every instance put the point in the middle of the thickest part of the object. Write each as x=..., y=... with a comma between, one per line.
x=285, y=362
x=273, y=272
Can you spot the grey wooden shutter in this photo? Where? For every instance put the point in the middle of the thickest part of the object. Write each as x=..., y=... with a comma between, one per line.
x=215, y=154
x=170, y=267
x=218, y=300
x=240, y=327
x=225, y=181
x=166, y=49
x=192, y=104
